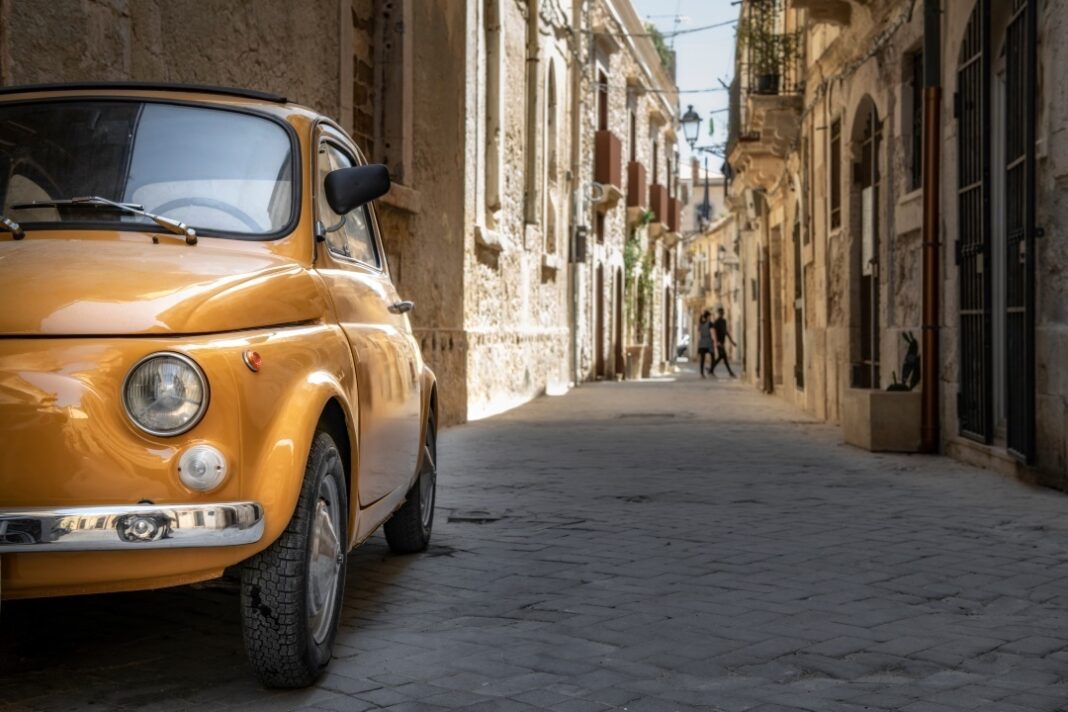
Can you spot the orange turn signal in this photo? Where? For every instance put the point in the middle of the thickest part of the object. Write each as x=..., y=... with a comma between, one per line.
x=253, y=360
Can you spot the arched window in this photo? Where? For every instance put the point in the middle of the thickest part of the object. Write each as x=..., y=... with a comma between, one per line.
x=551, y=131
x=799, y=302
x=866, y=212
x=602, y=101
x=493, y=31
x=531, y=181
x=996, y=85
x=973, y=161
x=550, y=226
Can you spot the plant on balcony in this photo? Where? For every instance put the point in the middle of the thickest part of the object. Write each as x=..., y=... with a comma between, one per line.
x=769, y=52
x=667, y=55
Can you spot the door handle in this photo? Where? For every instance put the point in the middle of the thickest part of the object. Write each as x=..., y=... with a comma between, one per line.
x=402, y=307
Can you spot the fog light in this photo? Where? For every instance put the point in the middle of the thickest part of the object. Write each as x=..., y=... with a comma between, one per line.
x=202, y=468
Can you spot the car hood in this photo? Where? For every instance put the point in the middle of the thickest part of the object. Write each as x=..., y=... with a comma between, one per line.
x=77, y=287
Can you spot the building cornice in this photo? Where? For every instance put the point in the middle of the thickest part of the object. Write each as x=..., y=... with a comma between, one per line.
x=645, y=55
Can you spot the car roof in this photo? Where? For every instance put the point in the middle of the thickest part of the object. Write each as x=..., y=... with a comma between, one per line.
x=146, y=86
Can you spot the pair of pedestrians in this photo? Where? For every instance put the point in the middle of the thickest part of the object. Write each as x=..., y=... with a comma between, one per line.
x=714, y=336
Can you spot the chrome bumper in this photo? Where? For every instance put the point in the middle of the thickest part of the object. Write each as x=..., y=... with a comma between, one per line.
x=142, y=526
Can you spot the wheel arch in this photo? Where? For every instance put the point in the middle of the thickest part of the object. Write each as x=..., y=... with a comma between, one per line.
x=430, y=406
x=338, y=423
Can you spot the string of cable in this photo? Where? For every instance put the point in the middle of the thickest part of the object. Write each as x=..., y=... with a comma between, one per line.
x=673, y=33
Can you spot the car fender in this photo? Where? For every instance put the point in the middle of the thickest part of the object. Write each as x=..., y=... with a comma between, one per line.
x=276, y=479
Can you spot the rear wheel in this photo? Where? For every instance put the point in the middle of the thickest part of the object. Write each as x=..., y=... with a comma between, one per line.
x=408, y=530
x=291, y=592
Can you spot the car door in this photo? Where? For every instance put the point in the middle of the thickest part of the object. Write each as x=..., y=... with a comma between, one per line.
x=350, y=259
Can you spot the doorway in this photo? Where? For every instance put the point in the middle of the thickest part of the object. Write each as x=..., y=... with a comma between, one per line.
x=598, y=328
x=866, y=217
x=620, y=364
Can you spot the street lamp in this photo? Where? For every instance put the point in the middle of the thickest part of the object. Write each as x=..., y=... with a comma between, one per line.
x=691, y=125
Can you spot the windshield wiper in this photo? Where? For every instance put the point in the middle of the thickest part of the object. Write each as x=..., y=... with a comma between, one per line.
x=11, y=226
x=176, y=226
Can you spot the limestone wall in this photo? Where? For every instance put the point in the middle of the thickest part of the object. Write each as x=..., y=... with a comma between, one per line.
x=868, y=62
x=271, y=45
x=633, y=84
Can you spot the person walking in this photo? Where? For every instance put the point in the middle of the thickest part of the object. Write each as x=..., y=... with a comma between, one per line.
x=722, y=334
x=705, y=343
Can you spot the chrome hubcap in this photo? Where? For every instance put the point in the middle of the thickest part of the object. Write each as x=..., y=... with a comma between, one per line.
x=325, y=561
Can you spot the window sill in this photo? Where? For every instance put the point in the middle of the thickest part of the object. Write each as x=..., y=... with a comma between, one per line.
x=911, y=196
x=401, y=197
x=488, y=239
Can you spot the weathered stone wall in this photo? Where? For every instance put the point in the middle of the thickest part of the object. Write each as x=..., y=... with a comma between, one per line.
x=302, y=51
x=501, y=323
x=632, y=84
x=270, y=45
x=516, y=292
x=868, y=59
x=426, y=246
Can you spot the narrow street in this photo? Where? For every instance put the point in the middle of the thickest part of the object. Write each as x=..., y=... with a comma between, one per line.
x=663, y=545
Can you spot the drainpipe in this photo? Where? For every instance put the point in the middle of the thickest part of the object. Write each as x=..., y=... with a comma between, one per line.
x=930, y=425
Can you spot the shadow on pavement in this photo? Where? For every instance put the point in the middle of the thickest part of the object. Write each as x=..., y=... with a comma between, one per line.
x=137, y=649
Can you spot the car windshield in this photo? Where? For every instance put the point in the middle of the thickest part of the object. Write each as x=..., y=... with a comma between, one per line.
x=222, y=172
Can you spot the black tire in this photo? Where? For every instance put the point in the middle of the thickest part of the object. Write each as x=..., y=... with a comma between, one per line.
x=408, y=530
x=289, y=630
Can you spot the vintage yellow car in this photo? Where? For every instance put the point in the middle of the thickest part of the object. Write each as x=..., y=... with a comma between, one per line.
x=204, y=363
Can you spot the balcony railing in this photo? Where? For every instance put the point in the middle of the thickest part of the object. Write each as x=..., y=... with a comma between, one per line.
x=772, y=57
x=637, y=189
x=658, y=202
x=734, y=122
x=608, y=159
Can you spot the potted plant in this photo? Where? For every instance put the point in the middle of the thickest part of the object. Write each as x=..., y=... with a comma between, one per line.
x=769, y=52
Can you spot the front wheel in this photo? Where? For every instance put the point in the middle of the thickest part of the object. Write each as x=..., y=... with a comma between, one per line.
x=408, y=530
x=291, y=592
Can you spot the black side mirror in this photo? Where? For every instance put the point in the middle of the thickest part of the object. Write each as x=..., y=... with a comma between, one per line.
x=349, y=188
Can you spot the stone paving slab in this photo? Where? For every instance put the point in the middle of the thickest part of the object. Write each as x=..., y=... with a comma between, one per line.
x=674, y=544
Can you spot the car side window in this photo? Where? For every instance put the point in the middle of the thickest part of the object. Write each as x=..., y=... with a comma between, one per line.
x=346, y=235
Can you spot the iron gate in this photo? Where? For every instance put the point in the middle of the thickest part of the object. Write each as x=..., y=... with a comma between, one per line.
x=973, y=245
x=799, y=315
x=869, y=178
x=1020, y=90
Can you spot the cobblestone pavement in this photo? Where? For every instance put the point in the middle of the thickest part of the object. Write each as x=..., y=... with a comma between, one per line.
x=665, y=545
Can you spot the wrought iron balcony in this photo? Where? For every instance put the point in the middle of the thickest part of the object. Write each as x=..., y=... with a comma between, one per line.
x=766, y=104
x=772, y=56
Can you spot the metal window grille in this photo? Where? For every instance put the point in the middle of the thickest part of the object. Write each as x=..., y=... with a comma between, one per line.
x=974, y=405
x=771, y=54
x=916, y=158
x=836, y=174
x=1020, y=113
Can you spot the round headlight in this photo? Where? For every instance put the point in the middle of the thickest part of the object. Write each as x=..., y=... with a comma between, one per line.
x=165, y=394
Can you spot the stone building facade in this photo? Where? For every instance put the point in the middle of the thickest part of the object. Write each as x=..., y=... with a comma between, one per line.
x=626, y=281
x=715, y=281
x=828, y=196
x=483, y=110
